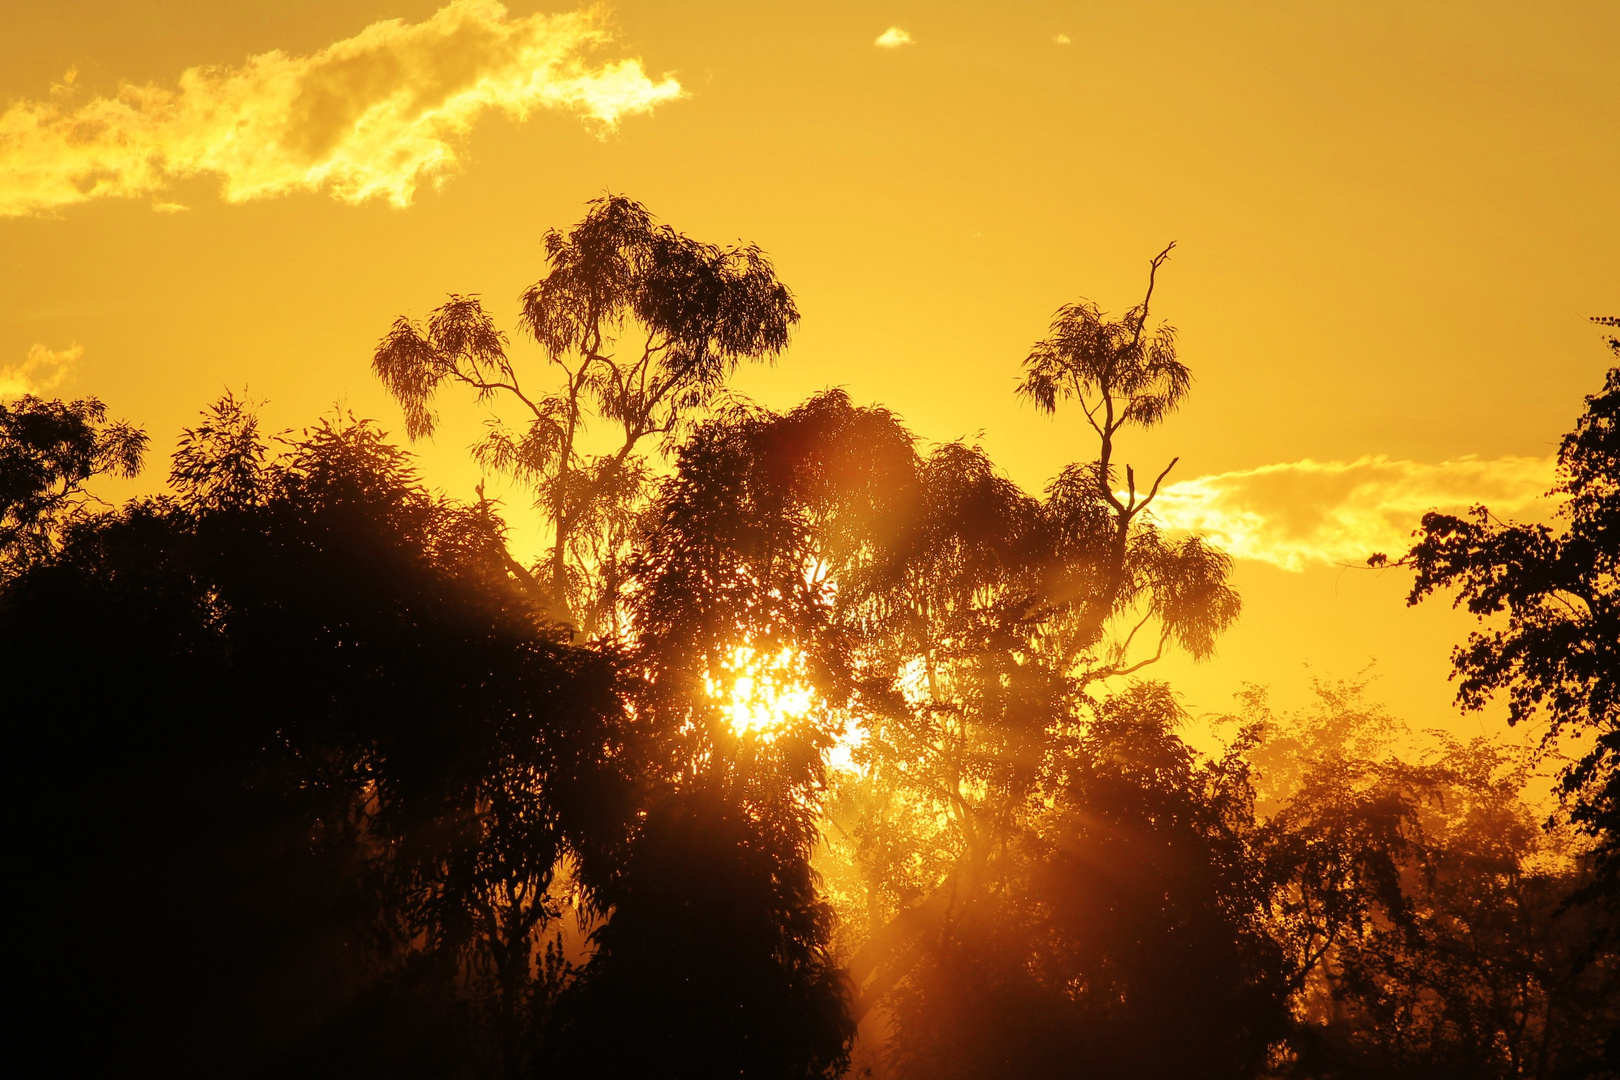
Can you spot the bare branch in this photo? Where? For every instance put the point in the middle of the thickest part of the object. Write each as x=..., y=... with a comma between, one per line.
x=1157, y=482
x=1153, y=273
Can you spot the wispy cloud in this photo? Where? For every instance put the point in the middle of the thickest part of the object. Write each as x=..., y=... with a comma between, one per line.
x=1304, y=512
x=1061, y=39
x=42, y=371
x=369, y=117
x=892, y=38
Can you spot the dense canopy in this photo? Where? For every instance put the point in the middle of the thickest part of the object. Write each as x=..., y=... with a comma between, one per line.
x=806, y=749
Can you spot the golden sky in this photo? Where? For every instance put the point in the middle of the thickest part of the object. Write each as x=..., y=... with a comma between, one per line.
x=1392, y=220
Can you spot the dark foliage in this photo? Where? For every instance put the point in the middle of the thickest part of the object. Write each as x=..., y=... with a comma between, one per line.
x=1128, y=937
x=822, y=531
x=714, y=962
x=308, y=776
x=49, y=450
x=1423, y=915
x=292, y=769
x=1555, y=596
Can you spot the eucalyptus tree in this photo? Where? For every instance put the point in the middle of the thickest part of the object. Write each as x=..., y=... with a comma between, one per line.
x=717, y=957
x=953, y=624
x=641, y=326
x=1120, y=377
x=997, y=619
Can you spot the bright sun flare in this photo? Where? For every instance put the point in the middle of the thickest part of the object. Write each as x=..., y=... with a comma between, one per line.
x=760, y=693
x=763, y=694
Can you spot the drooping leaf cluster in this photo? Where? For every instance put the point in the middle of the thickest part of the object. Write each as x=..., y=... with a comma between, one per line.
x=1120, y=375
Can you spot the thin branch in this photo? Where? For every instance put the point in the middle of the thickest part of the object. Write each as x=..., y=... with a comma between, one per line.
x=1153, y=273
x=1091, y=414
x=1110, y=673
x=1156, y=484
x=512, y=386
x=1125, y=646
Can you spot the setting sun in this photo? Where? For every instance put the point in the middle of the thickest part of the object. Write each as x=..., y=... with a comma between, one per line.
x=760, y=694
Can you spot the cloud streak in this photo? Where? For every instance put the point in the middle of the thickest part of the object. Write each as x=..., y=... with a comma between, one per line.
x=892, y=38
x=368, y=117
x=42, y=371
x=1334, y=512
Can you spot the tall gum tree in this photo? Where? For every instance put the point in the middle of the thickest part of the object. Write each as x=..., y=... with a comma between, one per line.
x=953, y=621
x=993, y=623
x=642, y=326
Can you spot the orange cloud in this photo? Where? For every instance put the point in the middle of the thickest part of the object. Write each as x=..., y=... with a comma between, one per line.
x=1337, y=512
x=42, y=371
x=369, y=117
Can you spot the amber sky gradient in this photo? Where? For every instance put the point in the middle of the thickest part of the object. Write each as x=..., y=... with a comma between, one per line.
x=1392, y=220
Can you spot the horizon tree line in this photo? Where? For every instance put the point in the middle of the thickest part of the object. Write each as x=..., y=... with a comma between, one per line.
x=314, y=775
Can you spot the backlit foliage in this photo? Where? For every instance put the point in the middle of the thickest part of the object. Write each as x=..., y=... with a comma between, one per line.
x=643, y=325
x=817, y=752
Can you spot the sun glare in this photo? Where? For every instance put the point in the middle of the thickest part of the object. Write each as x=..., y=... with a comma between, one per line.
x=761, y=693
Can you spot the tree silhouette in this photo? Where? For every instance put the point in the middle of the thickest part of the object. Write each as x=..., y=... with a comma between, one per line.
x=303, y=769
x=49, y=450
x=714, y=961
x=309, y=776
x=945, y=614
x=743, y=807
x=1136, y=909
x=991, y=615
x=1120, y=379
x=1559, y=593
x=698, y=311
